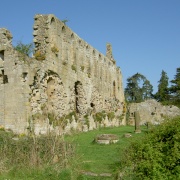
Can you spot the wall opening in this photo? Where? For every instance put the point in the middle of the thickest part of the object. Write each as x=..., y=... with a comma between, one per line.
x=53, y=21
x=50, y=87
x=50, y=94
x=63, y=29
x=24, y=76
x=114, y=89
x=64, y=33
x=72, y=36
x=78, y=96
x=92, y=105
x=5, y=77
x=2, y=55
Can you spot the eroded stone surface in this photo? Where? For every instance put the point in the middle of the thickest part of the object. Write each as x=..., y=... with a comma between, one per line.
x=151, y=111
x=65, y=75
x=106, y=139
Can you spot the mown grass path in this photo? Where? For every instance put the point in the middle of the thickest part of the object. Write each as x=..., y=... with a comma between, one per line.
x=96, y=158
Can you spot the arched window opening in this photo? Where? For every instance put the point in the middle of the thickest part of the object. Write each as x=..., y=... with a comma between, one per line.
x=87, y=47
x=53, y=21
x=63, y=29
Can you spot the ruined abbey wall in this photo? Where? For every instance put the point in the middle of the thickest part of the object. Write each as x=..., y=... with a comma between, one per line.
x=65, y=75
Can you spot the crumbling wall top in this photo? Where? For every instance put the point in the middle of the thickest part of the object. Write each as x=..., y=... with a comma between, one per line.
x=5, y=38
x=50, y=32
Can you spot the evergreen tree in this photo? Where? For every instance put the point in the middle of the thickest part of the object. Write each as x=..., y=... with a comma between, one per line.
x=175, y=88
x=162, y=94
x=147, y=90
x=138, y=88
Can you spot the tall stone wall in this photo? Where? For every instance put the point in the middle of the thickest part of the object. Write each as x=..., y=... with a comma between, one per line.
x=65, y=75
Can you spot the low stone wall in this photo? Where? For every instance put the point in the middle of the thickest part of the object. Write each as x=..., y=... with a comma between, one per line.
x=151, y=111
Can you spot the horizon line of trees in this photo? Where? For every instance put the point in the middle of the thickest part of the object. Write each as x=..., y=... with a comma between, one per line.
x=139, y=89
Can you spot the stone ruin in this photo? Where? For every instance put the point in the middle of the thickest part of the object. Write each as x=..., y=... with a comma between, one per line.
x=151, y=112
x=65, y=76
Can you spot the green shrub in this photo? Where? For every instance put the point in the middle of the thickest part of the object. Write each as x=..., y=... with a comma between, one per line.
x=26, y=49
x=51, y=118
x=111, y=115
x=156, y=156
x=99, y=116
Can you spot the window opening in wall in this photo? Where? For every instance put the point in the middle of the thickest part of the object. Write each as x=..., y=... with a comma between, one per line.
x=50, y=92
x=76, y=96
x=114, y=89
x=92, y=105
x=24, y=76
x=63, y=29
x=72, y=36
x=53, y=23
x=5, y=77
x=2, y=55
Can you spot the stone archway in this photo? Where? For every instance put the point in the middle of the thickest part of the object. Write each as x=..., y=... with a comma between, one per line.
x=48, y=94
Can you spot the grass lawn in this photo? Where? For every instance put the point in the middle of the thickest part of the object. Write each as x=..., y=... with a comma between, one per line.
x=89, y=157
x=98, y=158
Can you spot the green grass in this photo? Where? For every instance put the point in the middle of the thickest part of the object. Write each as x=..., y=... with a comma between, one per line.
x=98, y=158
x=37, y=174
x=32, y=158
x=87, y=156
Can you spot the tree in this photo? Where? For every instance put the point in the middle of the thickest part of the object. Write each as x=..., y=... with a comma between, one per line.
x=163, y=93
x=26, y=49
x=175, y=88
x=138, y=88
x=147, y=90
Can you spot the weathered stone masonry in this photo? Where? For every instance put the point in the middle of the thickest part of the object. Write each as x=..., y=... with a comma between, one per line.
x=65, y=75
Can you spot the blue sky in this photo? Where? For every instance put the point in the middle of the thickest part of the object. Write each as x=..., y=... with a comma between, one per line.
x=145, y=34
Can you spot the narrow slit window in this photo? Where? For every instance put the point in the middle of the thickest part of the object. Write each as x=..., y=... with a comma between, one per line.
x=24, y=75
x=2, y=55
